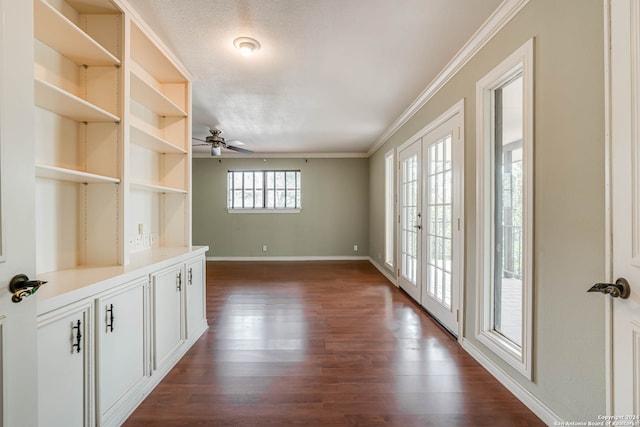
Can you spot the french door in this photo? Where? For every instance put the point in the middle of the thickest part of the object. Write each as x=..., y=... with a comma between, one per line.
x=430, y=212
x=410, y=218
x=441, y=240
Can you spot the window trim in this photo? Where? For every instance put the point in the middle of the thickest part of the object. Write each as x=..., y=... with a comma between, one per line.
x=520, y=358
x=389, y=209
x=264, y=209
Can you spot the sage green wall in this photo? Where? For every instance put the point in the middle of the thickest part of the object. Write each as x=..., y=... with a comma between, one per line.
x=569, y=339
x=334, y=216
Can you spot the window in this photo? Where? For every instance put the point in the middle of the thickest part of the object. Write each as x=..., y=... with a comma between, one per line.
x=269, y=190
x=388, y=209
x=505, y=208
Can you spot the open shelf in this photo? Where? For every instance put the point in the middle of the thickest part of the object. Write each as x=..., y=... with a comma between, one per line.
x=151, y=142
x=147, y=95
x=72, y=175
x=54, y=99
x=156, y=188
x=146, y=52
x=58, y=32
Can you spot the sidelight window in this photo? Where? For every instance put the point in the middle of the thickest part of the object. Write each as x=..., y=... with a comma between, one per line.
x=505, y=208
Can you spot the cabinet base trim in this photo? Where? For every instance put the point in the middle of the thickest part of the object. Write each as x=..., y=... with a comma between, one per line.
x=289, y=258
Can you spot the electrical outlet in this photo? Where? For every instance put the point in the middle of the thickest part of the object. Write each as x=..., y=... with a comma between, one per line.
x=264, y=248
x=355, y=248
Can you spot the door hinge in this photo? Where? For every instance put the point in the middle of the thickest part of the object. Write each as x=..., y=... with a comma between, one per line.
x=457, y=316
x=398, y=219
x=398, y=272
x=458, y=224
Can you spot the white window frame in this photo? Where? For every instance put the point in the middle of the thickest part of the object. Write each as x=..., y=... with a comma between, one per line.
x=519, y=358
x=389, y=204
x=265, y=209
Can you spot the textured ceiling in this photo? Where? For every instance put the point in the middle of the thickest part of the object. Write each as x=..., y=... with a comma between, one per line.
x=331, y=76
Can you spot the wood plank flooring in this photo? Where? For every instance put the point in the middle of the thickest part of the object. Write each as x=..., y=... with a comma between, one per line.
x=323, y=344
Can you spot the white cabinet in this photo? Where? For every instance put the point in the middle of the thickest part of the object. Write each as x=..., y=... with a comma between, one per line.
x=65, y=367
x=196, y=297
x=121, y=348
x=168, y=315
x=101, y=352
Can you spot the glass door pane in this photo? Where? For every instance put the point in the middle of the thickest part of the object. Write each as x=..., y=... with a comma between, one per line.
x=438, y=225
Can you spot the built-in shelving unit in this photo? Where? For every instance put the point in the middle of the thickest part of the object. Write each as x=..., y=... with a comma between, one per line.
x=79, y=140
x=159, y=133
x=113, y=132
x=113, y=210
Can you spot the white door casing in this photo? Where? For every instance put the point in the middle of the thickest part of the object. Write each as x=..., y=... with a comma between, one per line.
x=18, y=366
x=624, y=197
x=410, y=218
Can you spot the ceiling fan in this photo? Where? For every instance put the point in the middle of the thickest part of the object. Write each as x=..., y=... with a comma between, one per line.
x=217, y=142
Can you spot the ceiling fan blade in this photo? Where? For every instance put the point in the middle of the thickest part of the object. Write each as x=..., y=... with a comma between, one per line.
x=198, y=139
x=239, y=150
x=235, y=142
x=200, y=145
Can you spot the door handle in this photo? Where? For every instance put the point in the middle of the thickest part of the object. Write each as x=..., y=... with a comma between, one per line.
x=620, y=289
x=21, y=287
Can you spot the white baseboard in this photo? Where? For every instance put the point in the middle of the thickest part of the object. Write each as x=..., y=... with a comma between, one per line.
x=524, y=395
x=288, y=258
x=385, y=271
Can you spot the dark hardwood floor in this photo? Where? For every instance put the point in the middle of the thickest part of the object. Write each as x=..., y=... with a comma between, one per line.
x=323, y=344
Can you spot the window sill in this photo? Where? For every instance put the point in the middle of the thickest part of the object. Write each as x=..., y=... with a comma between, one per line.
x=264, y=211
x=506, y=350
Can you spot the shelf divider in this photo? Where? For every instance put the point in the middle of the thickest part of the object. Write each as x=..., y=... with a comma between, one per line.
x=147, y=140
x=156, y=188
x=72, y=175
x=52, y=98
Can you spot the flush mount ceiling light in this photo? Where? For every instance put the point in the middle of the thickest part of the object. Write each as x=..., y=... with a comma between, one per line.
x=246, y=45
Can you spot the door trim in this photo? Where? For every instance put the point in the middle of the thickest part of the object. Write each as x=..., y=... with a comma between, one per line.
x=608, y=267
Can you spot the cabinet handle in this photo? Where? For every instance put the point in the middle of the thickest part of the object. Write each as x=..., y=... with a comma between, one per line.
x=179, y=281
x=78, y=337
x=190, y=276
x=110, y=318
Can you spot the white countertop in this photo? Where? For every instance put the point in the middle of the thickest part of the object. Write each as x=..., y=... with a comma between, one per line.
x=68, y=286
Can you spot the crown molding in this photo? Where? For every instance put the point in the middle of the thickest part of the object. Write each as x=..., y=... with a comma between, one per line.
x=498, y=19
x=204, y=155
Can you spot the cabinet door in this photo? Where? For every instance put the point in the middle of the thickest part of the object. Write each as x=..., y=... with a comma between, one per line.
x=120, y=331
x=65, y=354
x=168, y=318
x=196, y=297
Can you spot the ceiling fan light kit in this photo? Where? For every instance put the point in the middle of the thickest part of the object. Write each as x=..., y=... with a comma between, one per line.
x=246, y=45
